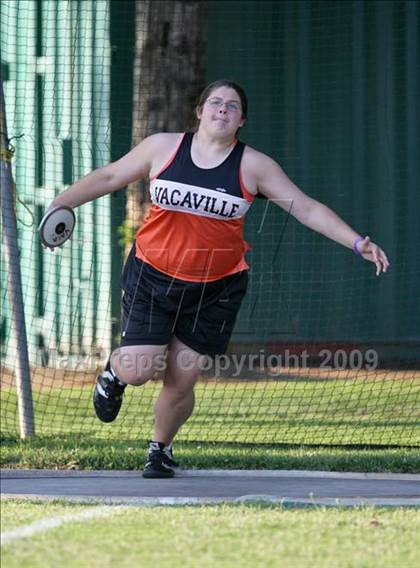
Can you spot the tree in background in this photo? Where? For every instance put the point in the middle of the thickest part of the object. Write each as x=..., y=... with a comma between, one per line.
x=169, y=73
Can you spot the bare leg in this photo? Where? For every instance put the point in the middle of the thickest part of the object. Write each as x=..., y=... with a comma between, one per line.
x=137, y=364
x=176, y=399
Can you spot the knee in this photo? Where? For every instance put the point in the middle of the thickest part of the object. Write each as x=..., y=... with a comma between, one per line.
x=135, y=371
x=178, y=392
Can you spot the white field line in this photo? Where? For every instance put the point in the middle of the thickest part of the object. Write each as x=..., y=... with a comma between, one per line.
x=48, y=523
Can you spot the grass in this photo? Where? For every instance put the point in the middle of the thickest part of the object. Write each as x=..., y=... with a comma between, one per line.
x=18, y=513
x=338, y=424
x=73, y=452
x=222, y=535
x=352, y=411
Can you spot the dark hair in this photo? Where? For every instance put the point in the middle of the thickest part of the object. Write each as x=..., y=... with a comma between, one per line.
x=224, y=83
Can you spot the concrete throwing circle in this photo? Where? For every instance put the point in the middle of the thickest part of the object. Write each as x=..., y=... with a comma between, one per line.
x=293, y=488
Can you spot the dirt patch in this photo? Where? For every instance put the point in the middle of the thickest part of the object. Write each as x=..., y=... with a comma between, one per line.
x=48, y=378
x=44, y=377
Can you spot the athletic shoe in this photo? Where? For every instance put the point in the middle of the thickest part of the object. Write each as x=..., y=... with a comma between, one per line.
x=108, y=395
x=158, y=463
x=168, y=451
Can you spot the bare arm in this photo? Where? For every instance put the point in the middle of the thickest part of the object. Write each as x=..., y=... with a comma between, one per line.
x=322, y=219
x=133, y=166
x=274, y=184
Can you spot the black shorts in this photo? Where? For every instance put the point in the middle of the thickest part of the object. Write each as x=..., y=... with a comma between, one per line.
x=156, y=306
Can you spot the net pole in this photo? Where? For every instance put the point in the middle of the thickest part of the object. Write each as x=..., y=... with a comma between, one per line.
x=14, y=281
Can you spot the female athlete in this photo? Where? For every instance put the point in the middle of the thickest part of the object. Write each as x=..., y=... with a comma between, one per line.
x=186, y=275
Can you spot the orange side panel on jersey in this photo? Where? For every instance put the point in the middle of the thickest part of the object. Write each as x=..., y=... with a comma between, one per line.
x=248, y=196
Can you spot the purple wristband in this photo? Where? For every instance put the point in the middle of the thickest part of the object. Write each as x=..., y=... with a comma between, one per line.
x=355, y=249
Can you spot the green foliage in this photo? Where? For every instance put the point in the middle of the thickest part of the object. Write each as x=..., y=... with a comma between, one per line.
x=126, y=234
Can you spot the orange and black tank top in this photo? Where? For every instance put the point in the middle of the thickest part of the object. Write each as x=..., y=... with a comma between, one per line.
x=194, y=229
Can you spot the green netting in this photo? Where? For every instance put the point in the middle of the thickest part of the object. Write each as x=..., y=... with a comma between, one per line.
x=334, y=90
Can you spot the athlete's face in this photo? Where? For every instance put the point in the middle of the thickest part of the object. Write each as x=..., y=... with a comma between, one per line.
x=221, y=112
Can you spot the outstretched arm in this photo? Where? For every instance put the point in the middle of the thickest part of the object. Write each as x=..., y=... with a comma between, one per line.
x=274, y=184
x=133, y=166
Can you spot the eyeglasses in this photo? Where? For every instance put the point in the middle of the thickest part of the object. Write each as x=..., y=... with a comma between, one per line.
x=231, y=106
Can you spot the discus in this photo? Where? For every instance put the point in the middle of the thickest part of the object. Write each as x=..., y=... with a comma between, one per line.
x=57, y=226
